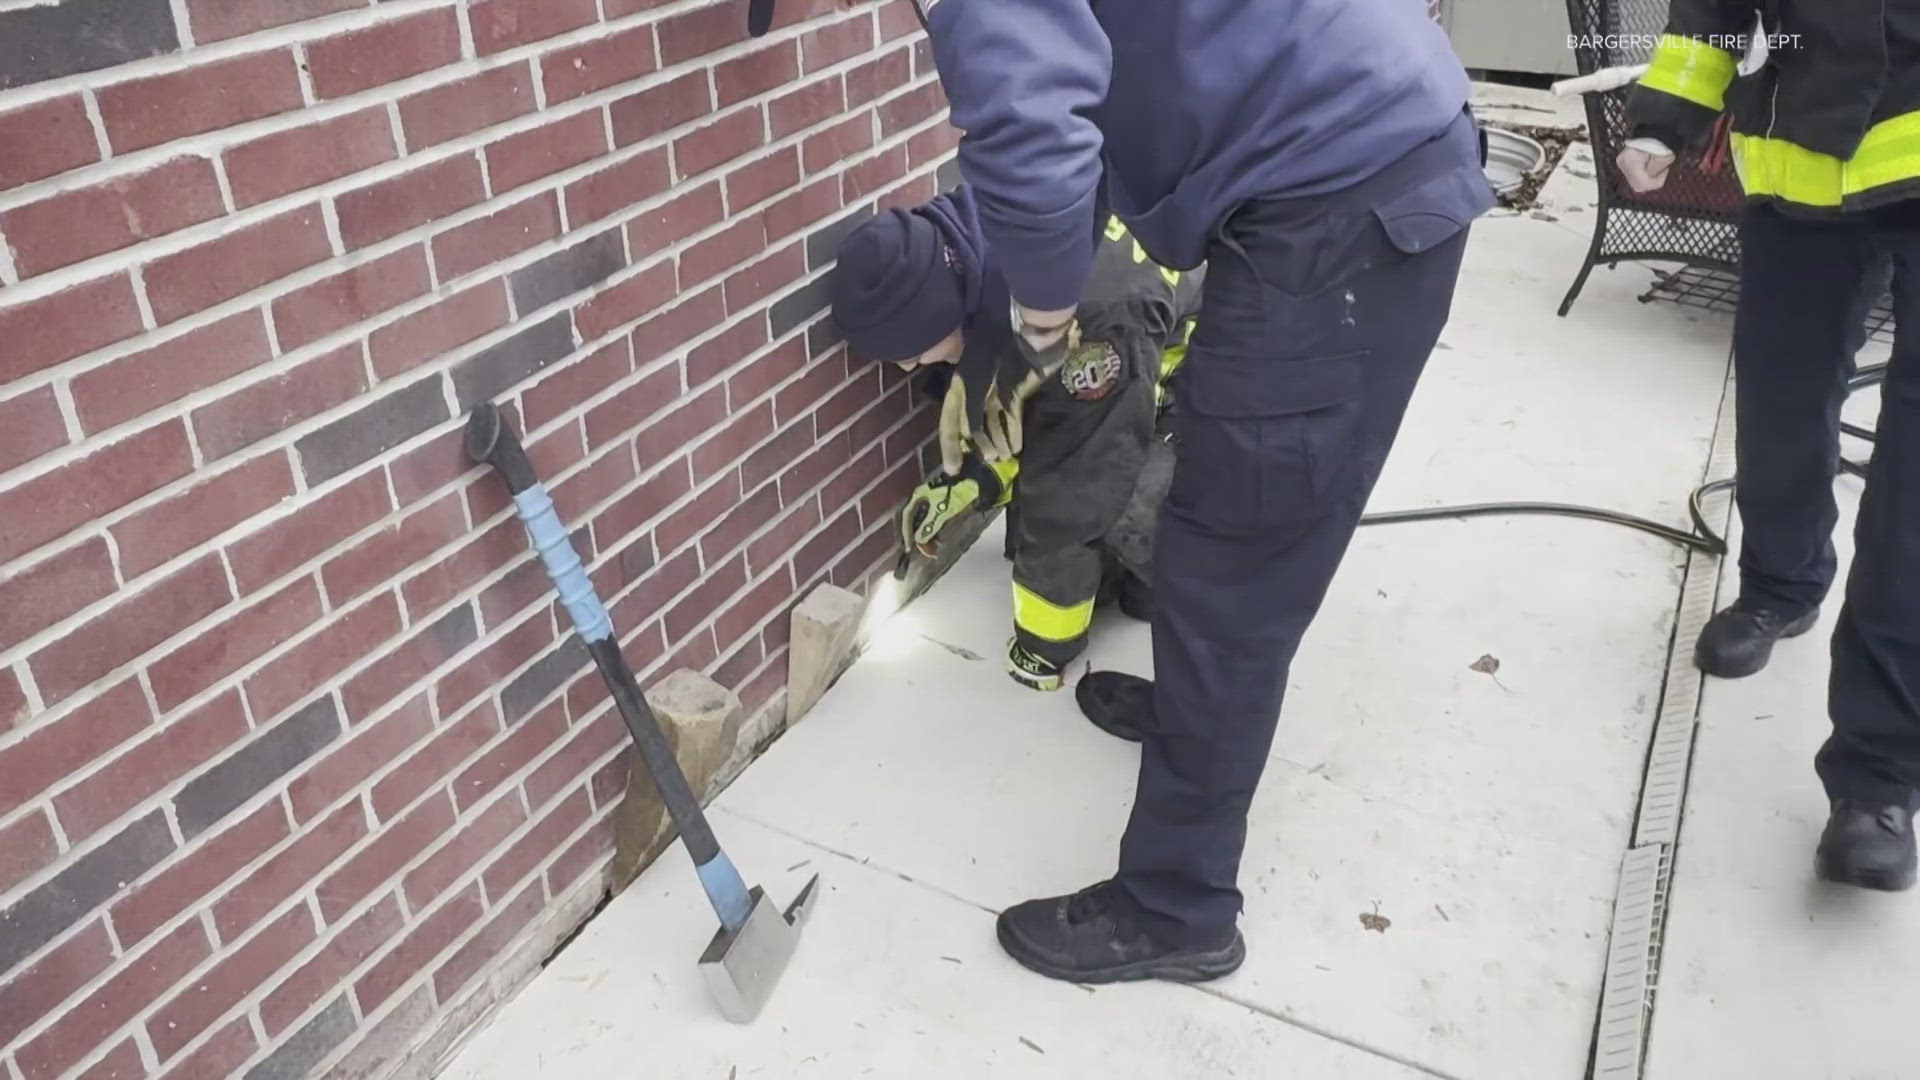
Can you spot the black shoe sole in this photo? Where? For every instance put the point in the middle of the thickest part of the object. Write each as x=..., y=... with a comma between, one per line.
x=1759, y=660
x=1100, y=717
x=1877, y=878
x=1182, y=968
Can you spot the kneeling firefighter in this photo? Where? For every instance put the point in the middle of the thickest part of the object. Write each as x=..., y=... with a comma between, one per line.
x=1070, y=448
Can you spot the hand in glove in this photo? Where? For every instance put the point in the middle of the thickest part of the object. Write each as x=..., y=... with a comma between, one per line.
x=1644, y=164
x=988, y=418
x=941, y=500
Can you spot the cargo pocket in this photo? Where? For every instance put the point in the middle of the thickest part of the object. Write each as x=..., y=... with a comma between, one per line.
x=1427, y=216
x=1265, y=444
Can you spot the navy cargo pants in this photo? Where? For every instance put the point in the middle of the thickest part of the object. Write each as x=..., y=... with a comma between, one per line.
x=1320, y=315
x=1805, y=290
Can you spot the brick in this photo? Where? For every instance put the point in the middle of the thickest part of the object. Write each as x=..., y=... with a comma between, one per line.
x=26, y=846
x=810, y=470
x=354, y=761
x=811, y=104
x=794, y=14
x=715, y=356
x=822, y=337
x=616, y=9
x=701, y=31
x=873, y=174
x=705, y=599
x=340, y=642
x=758, y=181
x=75, y=225
x=49, y=41
x=289, y=871
x=223, y=268
x=205, y=97
x=491, y=942
x=910, y=109
x=429, y=467
x=485, y=670
x=343, y=952
x=132, y=386
x=433, y=762
x=430, y=333
x=195, y=876
x=568, y=385
x=332, y=304
x=740, y=521
x=494, y=549
x=877, y=78
x=217, y=651
x=47, y=331
x=672, y=328
x=372, y=562
x=192, y=517
x=660, y=108
x=218, y=20
x=694, y=651
x=568, y=271
x=798, y=308
x=43, y=987
x=897, y=20
x=299, y=158
x=177, y=749
x=500, y=367
x=855, y=567
x=609, y=782
x=591, y=741
x=525, y=585
x=406, y=663
x=254, y=767
x=480, y=243
x=425, y=942
x=221, y=1055
x=482, y=835
x=137, y=984
x=773, y=460
x=373, y=213
x=724, y=250
x=531, y=155
x=499, y=25
x=841, y=142
x=596, y=65
x=38, y=596
x=712, y=145
x=760, y=603
x=667, y=435
x=394, y=845
x=467, y=105
x=756, y=73
x=669, y=223
x=84, y=885
x=375, y=1052
x=587, y=852
x=45, y=139
x=628, y=300
x=296, y=1058
x=813, y=556
x=778, y=543
x=933, y=144
x=755, y=283
x=30, y=425
x=372, y=430
x=830, y=45
x=799, y=397
x=632, y=512
x=693, y=518
x=615, y=189
x=362, y=59
x=265, y=408
x=276, y=549
x=219, y=988
x=547, y=675
x=805, y=209
x=131, y=627
x=739, y=664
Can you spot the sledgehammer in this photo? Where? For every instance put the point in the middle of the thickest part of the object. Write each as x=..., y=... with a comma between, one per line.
x=744, y=960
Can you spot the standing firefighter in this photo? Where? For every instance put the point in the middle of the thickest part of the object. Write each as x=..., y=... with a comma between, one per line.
x=919, y=287
x=1823, y=139
x=1318, y=157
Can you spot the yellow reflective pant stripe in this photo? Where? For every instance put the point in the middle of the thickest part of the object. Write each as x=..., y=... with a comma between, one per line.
x=1047, y=620
x=1692, y=70
x=1888, y=154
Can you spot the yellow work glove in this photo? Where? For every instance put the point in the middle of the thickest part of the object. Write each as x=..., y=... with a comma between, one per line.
x=942, y=499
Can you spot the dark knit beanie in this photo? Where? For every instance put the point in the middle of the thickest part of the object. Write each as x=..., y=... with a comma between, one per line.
x=894, y=294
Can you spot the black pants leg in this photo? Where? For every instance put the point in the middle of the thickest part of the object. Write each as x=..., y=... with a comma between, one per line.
x=1805, y=290
x=1873, y=693
x=1320, y=315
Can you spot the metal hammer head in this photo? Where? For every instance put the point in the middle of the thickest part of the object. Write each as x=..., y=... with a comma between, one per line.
x=742, y=966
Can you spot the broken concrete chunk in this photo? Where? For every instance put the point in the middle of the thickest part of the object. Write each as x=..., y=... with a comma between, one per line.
x=700, y=718
x=822, y=645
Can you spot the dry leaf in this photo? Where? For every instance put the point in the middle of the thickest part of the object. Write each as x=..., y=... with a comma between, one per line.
x=1486, y=665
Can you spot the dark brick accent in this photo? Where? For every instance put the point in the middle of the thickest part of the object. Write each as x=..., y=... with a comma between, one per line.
x=795, y=308
x=821, y=337
x=380, y=426
x=823, y=243
x=564, y=273
x=549, y=673
x=493, y=371
x=296, y=1057
x=245, y=772
x=80, y=889
x=41, y=43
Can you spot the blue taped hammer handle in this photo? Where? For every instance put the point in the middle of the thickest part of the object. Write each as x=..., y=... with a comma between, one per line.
x=491, y=441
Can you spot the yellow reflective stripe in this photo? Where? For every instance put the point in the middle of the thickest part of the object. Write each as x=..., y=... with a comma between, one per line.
x=1049, y=621
x=1118, y=232
x=1006, y=470
x=1888, y=154
x=1692, y=70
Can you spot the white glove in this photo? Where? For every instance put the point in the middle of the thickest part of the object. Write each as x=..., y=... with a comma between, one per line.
x=1644, y=163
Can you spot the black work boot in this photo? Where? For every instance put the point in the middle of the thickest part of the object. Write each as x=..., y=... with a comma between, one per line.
x=1739, y=640
x=1084, y=938
x=1869, y=845
x=1136, y=599
x=1119, y=704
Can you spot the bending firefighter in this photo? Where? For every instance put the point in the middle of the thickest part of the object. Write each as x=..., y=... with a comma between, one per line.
x=1068, y=445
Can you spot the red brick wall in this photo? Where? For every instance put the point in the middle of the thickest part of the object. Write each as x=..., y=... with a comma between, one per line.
x=299, y=766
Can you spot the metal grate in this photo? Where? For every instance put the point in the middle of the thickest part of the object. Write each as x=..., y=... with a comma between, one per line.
x=1712, y=288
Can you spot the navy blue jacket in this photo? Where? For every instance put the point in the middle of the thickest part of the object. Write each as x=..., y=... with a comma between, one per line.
x=1188, y=107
